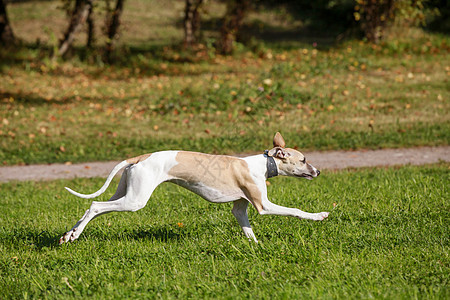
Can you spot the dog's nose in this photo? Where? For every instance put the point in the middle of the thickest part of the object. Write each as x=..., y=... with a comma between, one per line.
x=318, y=172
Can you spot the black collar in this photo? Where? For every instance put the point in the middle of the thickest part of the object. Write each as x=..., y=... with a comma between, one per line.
x=272, y=169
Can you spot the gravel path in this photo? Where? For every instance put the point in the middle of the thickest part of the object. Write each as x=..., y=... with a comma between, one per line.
x=321, y=160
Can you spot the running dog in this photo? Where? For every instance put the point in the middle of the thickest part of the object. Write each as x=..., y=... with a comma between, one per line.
x=216, y=178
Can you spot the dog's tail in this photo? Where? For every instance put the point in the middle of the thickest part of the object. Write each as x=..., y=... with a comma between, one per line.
x=111, y=175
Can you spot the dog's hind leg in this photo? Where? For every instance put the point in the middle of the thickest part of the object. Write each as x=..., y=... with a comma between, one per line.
x=122, y=187
x=133, y=194
x=240, y=212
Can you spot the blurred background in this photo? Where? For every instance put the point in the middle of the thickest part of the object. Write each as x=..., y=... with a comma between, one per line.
x=87, y=80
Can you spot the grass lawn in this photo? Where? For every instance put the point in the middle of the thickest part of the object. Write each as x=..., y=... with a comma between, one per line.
x=387, y=237
x=156, y=97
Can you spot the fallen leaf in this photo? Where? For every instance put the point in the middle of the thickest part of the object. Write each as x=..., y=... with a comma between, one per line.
x=399, y=78
x=267, y=81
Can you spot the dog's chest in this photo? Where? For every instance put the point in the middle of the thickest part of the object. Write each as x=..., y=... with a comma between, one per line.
x=212, y=194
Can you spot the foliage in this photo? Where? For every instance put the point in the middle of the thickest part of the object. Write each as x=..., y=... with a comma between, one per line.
x=386, y=237
x=376, y=15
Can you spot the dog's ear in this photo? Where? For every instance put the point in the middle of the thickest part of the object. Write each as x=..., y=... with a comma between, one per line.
x=278, y=140
x=279, y=152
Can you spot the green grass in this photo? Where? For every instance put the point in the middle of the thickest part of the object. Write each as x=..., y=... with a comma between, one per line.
x=387, y=237
x=336, y=96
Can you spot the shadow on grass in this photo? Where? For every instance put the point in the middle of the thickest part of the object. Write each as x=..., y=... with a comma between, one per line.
x=164, y=233
x=256, y=34
x=37, y=239
x=45, y=239
x=34, y=99
x=154, y=58
x=148, y=56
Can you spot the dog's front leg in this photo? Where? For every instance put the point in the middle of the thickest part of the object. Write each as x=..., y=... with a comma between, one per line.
x=240, y=212
x=269, y=208
x=257, y=195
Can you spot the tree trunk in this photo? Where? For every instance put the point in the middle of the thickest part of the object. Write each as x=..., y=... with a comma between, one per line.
x=191, y=22
x=6, y=34
x=112, y=25
x=91, y=28
x=377, y=15
x=77, y=19
x=232, y=22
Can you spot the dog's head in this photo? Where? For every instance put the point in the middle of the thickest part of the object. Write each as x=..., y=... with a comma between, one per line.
x=291, y=162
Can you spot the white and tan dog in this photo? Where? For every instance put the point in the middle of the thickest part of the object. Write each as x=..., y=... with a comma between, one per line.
x=216, y=178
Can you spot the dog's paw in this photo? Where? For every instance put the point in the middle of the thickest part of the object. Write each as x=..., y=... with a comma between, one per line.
x=69, y=236
x=322, y=216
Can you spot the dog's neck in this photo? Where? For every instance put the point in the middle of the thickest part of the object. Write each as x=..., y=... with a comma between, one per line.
x=272, y=169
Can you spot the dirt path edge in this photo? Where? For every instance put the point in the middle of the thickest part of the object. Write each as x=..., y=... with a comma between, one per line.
x=330, y=160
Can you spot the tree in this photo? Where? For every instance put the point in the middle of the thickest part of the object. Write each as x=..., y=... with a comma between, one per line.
x=232, y=23
x=91, y=28
x=112, y=27
x=6, y=33
x=78, y=17
x=376, y=15
x=191, y=22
